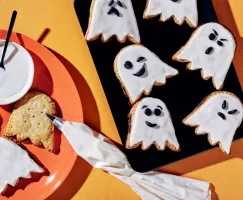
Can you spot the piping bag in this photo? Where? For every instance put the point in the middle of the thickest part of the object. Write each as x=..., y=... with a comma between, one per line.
x=101, y=153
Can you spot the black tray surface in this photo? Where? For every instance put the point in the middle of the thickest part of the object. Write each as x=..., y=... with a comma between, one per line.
x=181, y=93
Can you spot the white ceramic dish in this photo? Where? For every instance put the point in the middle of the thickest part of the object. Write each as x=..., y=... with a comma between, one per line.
x=17, y=77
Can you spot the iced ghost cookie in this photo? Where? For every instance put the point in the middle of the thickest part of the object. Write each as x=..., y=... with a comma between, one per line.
x=15, y=163
x=150, y=123
x=180, y=10
x=138, y=69
x=112, y=18
x=219, y=116
x=211, y=48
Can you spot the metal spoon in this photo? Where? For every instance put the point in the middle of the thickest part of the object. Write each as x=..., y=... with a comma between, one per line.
x=14, y=14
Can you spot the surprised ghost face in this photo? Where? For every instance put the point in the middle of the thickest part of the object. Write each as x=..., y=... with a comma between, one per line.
x=180, y=10
x=211, y=48
x=112, y=18
x=151, y=124
x=138, y=69
x=219, y=116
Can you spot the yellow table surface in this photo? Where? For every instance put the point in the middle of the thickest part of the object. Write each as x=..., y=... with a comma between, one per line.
x=58, y=19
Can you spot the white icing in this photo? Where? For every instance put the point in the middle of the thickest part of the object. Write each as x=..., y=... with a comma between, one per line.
x=14, y=163
x=167, y=8
x=156, y=71
x=216, y=64
x=17, y=77
x=207, y=118
x=109, y=25
x=162, y=132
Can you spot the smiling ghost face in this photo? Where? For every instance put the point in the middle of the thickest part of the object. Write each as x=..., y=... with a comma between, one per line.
x=211, y=48
x=181, y=10
x=139, y=69
x=112, y=17
x=151, y=124
x=219, y=116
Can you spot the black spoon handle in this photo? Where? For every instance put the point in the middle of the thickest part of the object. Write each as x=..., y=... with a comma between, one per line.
x=14, y=14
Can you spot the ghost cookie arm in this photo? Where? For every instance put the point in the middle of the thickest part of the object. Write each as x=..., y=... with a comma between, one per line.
x=152, y=9
x=170, y=71
x=191, y=119
x=92, y=33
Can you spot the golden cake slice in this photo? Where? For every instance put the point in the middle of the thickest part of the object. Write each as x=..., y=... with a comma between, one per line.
x=28, y=120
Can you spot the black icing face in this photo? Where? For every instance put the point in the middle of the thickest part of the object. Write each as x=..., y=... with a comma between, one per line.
x=114, y=7
x=214, y=36
x=157, y=112
x=225, y=107
x=141, y=72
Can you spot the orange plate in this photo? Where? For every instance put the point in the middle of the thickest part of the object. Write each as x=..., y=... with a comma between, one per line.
x=52, y=78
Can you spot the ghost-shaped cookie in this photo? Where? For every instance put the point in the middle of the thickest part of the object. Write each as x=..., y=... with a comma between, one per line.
x=138, y=69
x=112, y=18
x=211, y=48
x=15, y=163
x=150, y=123
x=180, y=10
x=219, y=116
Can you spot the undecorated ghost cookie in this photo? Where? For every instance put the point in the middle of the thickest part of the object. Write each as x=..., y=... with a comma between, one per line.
x=112, y=18
x=219, y=116
x=180, y=10
x=15, y=163
x=138, y=69
x=211, y=48
x=28, y=120
x=150, y=123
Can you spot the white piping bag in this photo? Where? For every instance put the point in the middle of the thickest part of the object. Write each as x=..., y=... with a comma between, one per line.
x=99, y=152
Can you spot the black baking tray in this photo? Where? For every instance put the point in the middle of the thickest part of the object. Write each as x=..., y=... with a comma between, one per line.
x=181, y=93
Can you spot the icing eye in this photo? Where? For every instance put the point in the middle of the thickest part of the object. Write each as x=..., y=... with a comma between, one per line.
x=157, y=112
x=128, y=65
x=215, y=32
x=223, y=39
x=175, y=1
x=212, y=36
x=233, y=111
x=119, y=4
x=148, y=112
x=110, y=4
x=222, y=115
x=141, y=59
x=220, y=43
x=224, y=105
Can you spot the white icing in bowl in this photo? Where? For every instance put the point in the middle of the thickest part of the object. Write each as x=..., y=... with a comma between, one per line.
x=17, y=77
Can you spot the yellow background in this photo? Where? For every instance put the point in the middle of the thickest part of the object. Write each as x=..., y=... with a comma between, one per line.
x=58, y=19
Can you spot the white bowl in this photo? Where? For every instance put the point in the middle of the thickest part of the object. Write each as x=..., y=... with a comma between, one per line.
x=17, y=77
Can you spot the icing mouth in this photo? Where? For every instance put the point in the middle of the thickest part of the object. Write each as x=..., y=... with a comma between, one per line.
x=141, y=72
x=150, y=124
x=113, y=11
x=209, y=50
x=222, y=115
